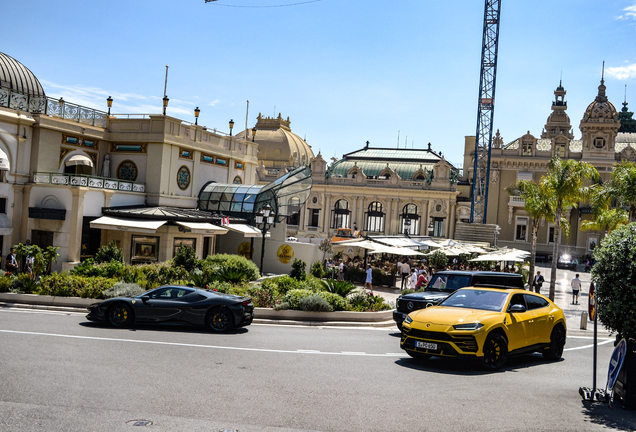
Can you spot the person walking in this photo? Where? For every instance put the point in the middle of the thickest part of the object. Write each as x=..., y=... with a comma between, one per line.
x=537, y=283
x=406, y=270
x=12, y=263
x=340, y=271
x=369, y=280
x=576, y=288
x=413, y=278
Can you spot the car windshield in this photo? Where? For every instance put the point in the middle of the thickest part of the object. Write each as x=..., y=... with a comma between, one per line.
x=442, y=282
x=477, y=299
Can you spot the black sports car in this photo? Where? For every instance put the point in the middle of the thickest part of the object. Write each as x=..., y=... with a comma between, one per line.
x=178, y=305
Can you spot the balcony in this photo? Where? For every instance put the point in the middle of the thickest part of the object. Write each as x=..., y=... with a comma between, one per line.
x=52, y=108
x=93, y=182
x=516, y=201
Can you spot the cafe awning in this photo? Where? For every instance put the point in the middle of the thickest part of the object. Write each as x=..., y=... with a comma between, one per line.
x=246, y=230
x=135, y=225
x=79, y=160
x=202, y=228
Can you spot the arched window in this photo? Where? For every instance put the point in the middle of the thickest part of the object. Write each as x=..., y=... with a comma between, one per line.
x=559, y=149
x=412, y=227
x=341, y=215
x=526, y=148
x=375, y=217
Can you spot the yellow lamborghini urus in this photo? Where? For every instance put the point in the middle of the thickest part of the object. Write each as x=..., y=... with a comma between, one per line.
x=487, y=324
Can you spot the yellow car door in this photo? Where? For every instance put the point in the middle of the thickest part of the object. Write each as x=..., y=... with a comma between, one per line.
x=519, y=324
x=543, y=319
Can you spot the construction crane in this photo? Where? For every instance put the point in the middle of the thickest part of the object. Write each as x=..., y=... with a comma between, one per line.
x=485, y=112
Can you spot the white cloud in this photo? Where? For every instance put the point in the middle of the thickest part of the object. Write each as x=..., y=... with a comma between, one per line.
x=214, y=102
x=622, y=72
x=630, y=12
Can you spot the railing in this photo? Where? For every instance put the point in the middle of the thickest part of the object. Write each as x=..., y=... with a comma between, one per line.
x=52, y=107
x=88, y=181
x=185, y=122
x=517, y=200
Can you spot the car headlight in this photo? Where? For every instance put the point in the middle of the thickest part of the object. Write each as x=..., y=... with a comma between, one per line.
x=469, y=326
x=408, y=319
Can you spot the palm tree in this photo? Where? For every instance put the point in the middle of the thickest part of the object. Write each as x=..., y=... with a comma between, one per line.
x=539, y=206
x=565, y=182
x=606, y=221
x=621, y=188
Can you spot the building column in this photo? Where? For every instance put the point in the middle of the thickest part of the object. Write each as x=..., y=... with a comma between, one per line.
x=354, y=212
x=302, y=217
x=361, y=221
x=423, y=217
x=327, y=212
x=20, y=214
x=451, y=228
x=396, y=216
x=428, y=215
x=77, y=217
x=387, y=217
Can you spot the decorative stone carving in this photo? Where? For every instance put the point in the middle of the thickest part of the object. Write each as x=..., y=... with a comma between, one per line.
x=439, y=208
x=494, y=176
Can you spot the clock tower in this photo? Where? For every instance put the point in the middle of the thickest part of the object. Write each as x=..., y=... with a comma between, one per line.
x=599, y=127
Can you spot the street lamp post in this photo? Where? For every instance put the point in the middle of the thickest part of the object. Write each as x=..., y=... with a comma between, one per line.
x=264, y=219
x=109, y=102
x=165, y=104
x=231, y=126
x=197, y=111
x=253, y=133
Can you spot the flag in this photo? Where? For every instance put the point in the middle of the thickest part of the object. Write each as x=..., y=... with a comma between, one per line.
x=225, y=221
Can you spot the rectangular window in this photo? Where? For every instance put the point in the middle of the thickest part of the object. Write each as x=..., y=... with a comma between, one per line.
x=551, y=234
x=314, y=217
x=144, y=249
x=3, y=205
x=375, y=223
x=438, y=227
x=521, y=231
x=524, y=175
x=526, y=149
x=560, y=150
x=178, y=242
x=340, y=219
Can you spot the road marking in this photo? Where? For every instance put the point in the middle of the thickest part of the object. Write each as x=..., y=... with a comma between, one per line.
x=193, y=345
x=353, y=353
x=606, y=341
x=40, y=311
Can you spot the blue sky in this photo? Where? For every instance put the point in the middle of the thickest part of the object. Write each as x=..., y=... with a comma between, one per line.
x=344, y=71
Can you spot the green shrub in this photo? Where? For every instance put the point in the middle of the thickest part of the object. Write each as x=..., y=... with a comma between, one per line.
x=108, y=253
x=235, y=263
x=614, y=275
x=378, y=277
x=407, y=291
x=5, y=283
x=123, y=289
x=263, y=295
x=315, y=303
x=186, y=257
x=66, y=285
x=437, y=260
x=220, y=286
x=281, y=306
x=341, y=288
x=109, y=269
x=294, y=296
x=286, y=283
x=355, y=274
x=298, y=269
x=363, y=302
x=313, y=283
x=317, y=270
x=337, y=302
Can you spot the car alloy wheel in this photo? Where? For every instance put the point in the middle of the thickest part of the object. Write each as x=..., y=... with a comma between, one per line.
x=557, y=342
x=495, y=351
x=220, y=319
x=120, y=315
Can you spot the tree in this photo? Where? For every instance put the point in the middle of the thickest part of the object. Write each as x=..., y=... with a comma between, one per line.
x=565, y=183
x=615, y=277
x=109, y=252
x=42, y=258
x=606, y=221
x=621, y=188
x=539, y=205
x=325, y=247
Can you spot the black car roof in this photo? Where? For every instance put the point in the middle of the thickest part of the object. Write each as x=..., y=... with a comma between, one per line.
x=475, y=273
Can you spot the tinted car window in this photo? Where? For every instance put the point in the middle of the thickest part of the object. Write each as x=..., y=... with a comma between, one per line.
x=518, y=299
x=535, y=302
x=449, y=282
x=172, y=293
x=192, y=297
x=477, y=299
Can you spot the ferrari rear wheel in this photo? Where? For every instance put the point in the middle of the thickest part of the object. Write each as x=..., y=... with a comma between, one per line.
x=495, y=351
x=557, y=342
x=220, y=320
x=120, y=315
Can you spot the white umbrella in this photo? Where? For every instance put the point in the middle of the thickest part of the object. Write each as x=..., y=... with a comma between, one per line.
x=364, y=244
x=396, y=251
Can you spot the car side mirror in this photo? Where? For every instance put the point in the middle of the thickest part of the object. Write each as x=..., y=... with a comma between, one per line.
x=145, y=298
x=517, y=308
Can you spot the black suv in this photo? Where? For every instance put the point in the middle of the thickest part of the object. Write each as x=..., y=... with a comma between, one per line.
x=444, y=283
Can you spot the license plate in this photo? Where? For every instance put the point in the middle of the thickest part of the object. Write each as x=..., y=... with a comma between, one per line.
x=426, y=345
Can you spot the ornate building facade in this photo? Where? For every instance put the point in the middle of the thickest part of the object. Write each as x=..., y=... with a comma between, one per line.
x=607, y=137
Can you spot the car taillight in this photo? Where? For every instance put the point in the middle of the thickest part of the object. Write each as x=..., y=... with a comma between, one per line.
x=246, y=302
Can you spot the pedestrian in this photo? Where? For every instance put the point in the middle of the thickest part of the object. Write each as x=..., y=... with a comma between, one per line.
x=413, y=279
x=576, y=287
x=406, y=270
x=340, y=270
x=537, y=283
x=12, y=263
x=27, y=243
x=421, y=280
x=369, y=280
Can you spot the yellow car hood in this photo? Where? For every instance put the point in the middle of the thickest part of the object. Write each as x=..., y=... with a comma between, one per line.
x=452, y=315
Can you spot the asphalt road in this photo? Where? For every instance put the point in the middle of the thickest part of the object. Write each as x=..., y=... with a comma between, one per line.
x=61, y=373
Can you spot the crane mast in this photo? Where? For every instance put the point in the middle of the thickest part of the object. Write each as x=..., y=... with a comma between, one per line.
x=485, y=112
